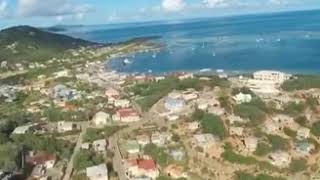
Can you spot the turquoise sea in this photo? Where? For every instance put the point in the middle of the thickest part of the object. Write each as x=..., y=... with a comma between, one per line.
x=283, y=41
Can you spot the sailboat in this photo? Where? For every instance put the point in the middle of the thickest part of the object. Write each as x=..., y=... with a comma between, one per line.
x=127, y=61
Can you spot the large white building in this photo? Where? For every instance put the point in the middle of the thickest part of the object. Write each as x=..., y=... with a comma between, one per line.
x=275, y=76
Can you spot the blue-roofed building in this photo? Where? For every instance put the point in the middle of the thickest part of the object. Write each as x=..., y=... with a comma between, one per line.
x=174, y=104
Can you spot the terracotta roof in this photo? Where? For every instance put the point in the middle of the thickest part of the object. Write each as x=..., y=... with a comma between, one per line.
x=127, y=112
x=147, y=164
x=41, y=158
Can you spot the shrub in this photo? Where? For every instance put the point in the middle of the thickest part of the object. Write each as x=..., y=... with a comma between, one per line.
x=315, y=129
x=263, y=149
x=298, y=165
x=278, y=143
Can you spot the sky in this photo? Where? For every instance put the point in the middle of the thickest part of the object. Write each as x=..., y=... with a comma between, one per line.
x=85, y=12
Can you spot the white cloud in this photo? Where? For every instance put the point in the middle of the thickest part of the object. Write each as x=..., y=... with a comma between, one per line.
x=173, y=5
x=3, y=8
x=50, y=8
x=215, y=3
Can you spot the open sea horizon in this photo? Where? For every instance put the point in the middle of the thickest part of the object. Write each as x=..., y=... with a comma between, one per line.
x=288, y=42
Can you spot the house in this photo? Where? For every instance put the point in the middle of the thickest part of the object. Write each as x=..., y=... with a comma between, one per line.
x=235, y=119
x=101, y=119
x=23, y=129
x=209, y=144
x=63, y=126
x=236, y=131
x=62, y=93
x=174, y=104
x=190, y=95
x=183, y=76
x=143, y=140
x=44, y=159
x=242, y=98
x=203, y=103
x=131, y=147
x=86, y=146
x=175, y=171
x=160, y=139
x=99, y=172
x=100, y=145
x=304, y=148
x=250, y=144
x=280, y=159
x=138, y=168
x=177, y=154
x=122, y=103
x=112, y=94
x=274, y=76
x=303, y=133
x=126, y=115
x=193, y=126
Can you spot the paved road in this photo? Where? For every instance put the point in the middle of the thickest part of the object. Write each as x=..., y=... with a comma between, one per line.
x=69, y=170
x=117, y=160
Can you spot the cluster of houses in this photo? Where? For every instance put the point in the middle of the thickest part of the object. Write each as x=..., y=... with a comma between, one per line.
x=8, y=93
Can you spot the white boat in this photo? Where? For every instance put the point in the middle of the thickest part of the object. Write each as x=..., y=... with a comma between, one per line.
x=278, y=40
x=149, y=71
x=205, y=70
x=213, y=54
x=220, y=71
x=154, y=55
x=258, y=40
x=127, y=61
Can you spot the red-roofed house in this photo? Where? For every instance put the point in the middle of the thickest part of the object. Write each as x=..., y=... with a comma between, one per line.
x=136, y=168
x=126, y=115
x=42, y=158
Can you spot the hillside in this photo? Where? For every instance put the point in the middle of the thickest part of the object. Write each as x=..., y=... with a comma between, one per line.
x=29, y=44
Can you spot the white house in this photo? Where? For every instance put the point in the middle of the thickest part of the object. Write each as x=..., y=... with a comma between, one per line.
x=64, y=126
x=23, y=129
x=100, y=145
x=250, y=144
x=160, y=139
x=143, y=140
x=122, y=103
x=242, y=98
x=99, y=172
x=275, y=76
x=101, y=119
x=303, y=133
x=280, y=159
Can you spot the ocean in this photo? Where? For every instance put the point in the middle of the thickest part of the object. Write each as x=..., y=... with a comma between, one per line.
x=287, y=42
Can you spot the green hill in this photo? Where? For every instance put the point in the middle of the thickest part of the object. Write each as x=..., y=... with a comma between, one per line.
x=29, y=44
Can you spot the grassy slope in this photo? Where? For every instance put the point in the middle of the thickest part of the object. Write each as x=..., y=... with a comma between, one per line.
x=31, y=44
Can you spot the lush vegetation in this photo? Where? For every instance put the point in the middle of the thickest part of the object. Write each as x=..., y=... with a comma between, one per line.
x=85, y=158
x=302, y=83
x=231, y=156
x=246, y=176
x=251, y=112
x=158, y=154
x=278, y=143
x=212, y=124
x=263, y=149
x=298, y=165
x=24, y=43
x=93, y=134
x=294, y=109
x=315, y=128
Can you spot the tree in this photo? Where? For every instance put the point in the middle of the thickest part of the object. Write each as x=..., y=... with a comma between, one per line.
x=8, y=157
x=175, y=138
x=298, y=165
x=84, y=159
x=315, y=129
x=263, y=149
x=253, y=113
x=158, y=154
x=278, y=143
x=212, y=124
